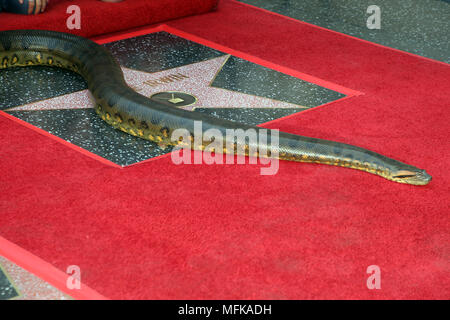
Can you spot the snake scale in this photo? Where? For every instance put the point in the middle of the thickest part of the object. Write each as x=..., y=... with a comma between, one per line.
x=124, y=109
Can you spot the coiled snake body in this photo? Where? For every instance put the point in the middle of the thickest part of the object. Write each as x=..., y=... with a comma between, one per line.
x=124, y=109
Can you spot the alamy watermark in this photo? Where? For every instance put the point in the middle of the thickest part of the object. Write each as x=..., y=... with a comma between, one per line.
x=374, y=280
x=259, y=144
x=74, y=279
x=374, y=20
x=74, y=20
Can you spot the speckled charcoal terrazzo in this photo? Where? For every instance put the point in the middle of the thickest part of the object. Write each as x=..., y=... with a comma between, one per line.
x=246, y=77
x=155, y=64
x=25, y=286
x=159, y=51
x=251, y=116
x=7, y=289
x=416, y=26
x=26, y=85
x=84, y=128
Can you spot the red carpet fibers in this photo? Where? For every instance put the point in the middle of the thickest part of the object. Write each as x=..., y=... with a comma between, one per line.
x=99, y=17
x=157, y=230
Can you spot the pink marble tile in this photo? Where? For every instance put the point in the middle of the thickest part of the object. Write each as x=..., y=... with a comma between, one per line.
x=29, y=286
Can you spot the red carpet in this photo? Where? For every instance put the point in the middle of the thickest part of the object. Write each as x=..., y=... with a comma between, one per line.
x=99, y=17
x=160, y=231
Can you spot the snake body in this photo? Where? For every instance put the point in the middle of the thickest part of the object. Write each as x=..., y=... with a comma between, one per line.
x=126, y=110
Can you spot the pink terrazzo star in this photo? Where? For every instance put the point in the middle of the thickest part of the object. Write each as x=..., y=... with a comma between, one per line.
x=194, y=79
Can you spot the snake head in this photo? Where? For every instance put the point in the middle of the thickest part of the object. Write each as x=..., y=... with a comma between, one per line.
x=411, y=176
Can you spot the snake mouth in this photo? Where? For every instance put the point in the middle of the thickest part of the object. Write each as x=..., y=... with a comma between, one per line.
x=403, y=176
x=419, y=177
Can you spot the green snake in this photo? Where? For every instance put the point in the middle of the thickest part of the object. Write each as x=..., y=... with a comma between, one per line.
x=124, y=109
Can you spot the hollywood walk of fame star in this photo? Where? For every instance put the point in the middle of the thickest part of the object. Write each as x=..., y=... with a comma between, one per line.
x=194, y=79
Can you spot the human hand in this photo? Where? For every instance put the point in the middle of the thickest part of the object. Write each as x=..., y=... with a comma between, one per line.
x=36, y=6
